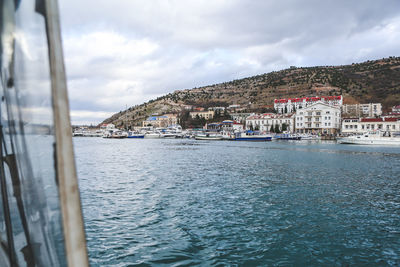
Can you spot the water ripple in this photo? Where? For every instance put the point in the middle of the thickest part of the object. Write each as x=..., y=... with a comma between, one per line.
x=185, y=203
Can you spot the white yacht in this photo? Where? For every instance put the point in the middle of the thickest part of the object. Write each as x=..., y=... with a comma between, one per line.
x=371, y=138
x=208, y=136
x=152, y=135
x=309, y=137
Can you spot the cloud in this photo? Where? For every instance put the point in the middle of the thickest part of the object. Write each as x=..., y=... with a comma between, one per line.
x=125, y=52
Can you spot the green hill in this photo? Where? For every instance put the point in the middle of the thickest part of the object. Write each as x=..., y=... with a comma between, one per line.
x=370, y=81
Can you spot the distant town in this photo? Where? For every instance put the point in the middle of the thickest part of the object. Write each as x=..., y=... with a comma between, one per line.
x=323, y=116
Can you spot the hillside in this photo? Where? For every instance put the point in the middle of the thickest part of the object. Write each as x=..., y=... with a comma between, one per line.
x=371, y=81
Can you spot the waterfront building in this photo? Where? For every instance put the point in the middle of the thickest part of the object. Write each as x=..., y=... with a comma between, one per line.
x=362, y=110
x=395, y=110
x=289, y=105
x=362, y=125
x=237, y=126
x=227, y=126
x=264, y=122
x=187, y=107
x=161, y=121
x=217, y=108
x=319, y=118
x=107, y=126
x=240, y=117
x=202, y=114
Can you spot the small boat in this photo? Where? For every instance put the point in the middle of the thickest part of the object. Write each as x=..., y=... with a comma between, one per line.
x=251, y=136
x=371, y=138
x=119, y=135
x=116, y=134
x=152, y=135
x=208, y=136
x=77, y=133
x=287, y=136
x=168, y=135
x=135, y=135
x=310, y=137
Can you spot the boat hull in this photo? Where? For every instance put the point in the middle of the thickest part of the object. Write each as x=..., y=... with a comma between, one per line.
x=289, y=138
x=208, y=138
x=152, y=136
x=136, y=136
x=256, y=138
x=372, y=141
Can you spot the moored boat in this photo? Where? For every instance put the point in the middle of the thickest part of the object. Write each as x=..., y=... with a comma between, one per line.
x=135, y=135
x=371, y=138
x=287, y=136
x=208, y=136
x=250, y=136
x=309, y=137
x=152, y=135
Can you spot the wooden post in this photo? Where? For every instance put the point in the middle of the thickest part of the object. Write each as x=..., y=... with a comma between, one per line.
x=74, y=235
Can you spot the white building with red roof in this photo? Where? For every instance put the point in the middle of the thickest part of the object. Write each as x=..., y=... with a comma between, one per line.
x=362, y=125
x=318, y=118
x=289, y=105
x=264, y=122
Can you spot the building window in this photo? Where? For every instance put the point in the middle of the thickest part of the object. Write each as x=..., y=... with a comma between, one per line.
x=347, y=127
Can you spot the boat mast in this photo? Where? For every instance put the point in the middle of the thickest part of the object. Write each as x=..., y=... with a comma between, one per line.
x=74, y=234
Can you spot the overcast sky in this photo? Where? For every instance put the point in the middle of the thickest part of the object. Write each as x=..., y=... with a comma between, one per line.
x=125, y=52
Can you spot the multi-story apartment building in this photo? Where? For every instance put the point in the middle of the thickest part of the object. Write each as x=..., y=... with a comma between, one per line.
x=264, y=122
x=318, y=118
x=288, y=105
x=362, y=110
x=161, y=121
x=395, y=110
x=361, y=125
x=240, y=117
x=202, y=114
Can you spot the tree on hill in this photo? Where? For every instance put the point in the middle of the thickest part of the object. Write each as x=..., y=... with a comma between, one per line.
x=277, y=130
x=284, y=127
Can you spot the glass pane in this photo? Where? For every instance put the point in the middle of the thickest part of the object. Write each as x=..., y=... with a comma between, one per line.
x=28, y=140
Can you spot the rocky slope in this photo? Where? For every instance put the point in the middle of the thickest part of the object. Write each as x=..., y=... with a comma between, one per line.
x=371, y=81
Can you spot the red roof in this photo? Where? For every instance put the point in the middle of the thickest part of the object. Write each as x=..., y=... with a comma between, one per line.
x=316, y=98
x=390, y=119
x=371, y=119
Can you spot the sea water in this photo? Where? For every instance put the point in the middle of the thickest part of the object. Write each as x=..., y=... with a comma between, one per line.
x=177, y=202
